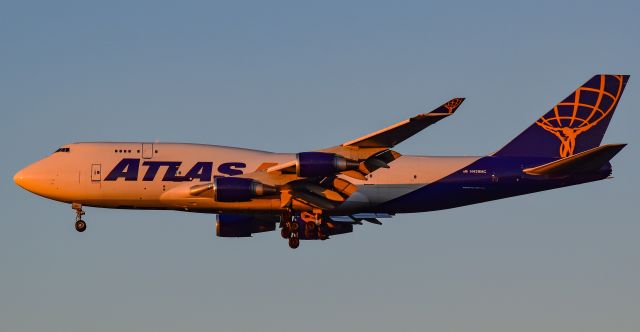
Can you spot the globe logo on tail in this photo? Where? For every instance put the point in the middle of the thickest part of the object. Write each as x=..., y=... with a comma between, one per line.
x=581, y=111
x=453, y=104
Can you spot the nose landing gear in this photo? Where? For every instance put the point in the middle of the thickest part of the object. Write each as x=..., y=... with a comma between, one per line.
x=80, y=225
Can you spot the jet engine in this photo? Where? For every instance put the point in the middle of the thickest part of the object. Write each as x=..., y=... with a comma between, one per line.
x=320, y=164
x=230, y=189
x=243, y=225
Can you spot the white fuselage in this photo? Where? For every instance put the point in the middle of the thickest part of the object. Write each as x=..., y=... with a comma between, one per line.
x=79, y=173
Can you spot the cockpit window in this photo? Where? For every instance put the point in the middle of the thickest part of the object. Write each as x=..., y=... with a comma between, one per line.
x=63, y=150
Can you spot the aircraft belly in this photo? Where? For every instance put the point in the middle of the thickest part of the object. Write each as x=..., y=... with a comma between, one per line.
x=406, y=175
x=384, y=192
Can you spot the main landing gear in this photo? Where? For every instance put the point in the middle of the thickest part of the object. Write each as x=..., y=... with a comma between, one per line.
x=81, y=226
x=290, y=230
x=314, y=227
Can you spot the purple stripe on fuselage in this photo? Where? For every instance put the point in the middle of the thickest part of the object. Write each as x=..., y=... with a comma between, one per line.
x=489, y=178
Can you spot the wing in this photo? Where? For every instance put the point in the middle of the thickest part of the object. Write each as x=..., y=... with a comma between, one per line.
x=373, y=150
x=318, y=180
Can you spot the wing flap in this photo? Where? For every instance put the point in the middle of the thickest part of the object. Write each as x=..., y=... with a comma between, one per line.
x=315, y=200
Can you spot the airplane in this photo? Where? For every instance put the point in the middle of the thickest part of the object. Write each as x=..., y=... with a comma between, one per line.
x=314, y=195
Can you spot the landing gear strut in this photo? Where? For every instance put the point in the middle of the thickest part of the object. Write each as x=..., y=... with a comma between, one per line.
x=80, y=225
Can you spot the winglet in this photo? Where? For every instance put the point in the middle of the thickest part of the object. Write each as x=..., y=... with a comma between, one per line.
x=447, y=108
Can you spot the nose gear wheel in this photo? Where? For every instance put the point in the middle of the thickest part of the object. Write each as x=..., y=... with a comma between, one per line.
x=80, y=224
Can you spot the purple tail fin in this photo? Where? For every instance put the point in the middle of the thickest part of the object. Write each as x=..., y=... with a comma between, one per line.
x=576, y=124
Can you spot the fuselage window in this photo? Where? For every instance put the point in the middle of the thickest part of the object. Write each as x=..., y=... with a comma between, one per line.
x=63, y=150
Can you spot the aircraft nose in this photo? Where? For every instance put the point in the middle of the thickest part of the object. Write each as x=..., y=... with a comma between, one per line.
x=31, y=178
x=38, y=178
x=21, y=178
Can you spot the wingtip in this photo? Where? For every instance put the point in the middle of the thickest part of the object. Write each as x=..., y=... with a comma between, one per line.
x=447, y=108
x=620, y=146
x=614, y=145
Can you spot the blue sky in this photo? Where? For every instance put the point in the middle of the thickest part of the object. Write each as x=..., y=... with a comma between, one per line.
x=295, y=76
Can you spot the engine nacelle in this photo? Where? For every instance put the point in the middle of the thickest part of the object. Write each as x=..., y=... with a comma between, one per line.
x=320, y=164
x=243, y=225
x=230, y=189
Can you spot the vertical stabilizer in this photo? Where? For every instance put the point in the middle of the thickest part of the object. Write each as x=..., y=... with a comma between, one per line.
x=574, y=125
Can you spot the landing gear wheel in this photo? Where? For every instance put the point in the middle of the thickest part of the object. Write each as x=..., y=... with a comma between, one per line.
x=311, y=226
x=81, y=226
x=294, y=242
x=310, y=230
x=294, y=226
x=323, y=232
x=285, y=232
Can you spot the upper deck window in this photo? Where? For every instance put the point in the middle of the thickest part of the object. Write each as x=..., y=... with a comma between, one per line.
x=63, y=150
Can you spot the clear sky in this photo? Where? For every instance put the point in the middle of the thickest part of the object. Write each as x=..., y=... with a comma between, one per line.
x=294, y=76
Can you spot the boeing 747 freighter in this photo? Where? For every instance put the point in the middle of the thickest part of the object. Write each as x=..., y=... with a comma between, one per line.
x=314, y=195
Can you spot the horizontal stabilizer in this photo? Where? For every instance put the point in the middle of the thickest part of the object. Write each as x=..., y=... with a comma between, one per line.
x=590, y=160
